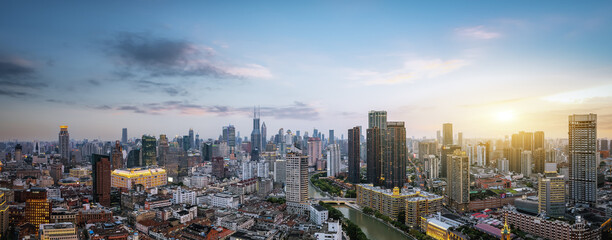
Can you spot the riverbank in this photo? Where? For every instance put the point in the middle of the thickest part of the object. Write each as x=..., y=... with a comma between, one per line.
x=357, y=208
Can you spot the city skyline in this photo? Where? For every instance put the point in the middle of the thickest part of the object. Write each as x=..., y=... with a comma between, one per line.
x=491, y=69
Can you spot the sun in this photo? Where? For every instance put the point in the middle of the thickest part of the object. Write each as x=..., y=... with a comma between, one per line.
x=505, y=116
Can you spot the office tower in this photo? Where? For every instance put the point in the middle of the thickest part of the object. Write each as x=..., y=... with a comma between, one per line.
x=460, y=139
x=333, y=160
x=444, y=158
x=218, y=167
x=4, y=212
x=583, y=158
x=481, y=155
x=255, y=137
x=280, y=171
x=117, y=156
x=229, y=135
x=18, y=153
x=439, y=137
x=604, y=145
x=527, y=141
x=314, y=151
x=514, y=158
x=353, y=155
x=101, y=175
x=458, y=184
x=539, y=158
x=185, y=143
x=447, y=134
x=191, y=139
x=149, y=150
x=526, y=160
x=56, y=171
x=297, y=183
x=164, y=150
x=538, y=140
x=37, y=207
x=395, y=155
x=264, y=134
x=58, y=231
x=332, y=138
x=374, y=149
x=551, y=191
x=207, y=152
x=64, y=144
x=377, y=119
x=134, y=159
x=197, y=142
x=124, y=137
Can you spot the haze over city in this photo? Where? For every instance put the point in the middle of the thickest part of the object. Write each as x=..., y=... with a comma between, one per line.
x=490, y=68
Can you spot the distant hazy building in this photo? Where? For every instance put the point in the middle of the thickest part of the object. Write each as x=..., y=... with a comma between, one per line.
x=124, y=137
x=503, y=165
x=101, y=170
x=297, y=184
x=539, y=159
x=280, y=171
x=538, y=140
x=526, y=160
x=163, y=150
x=481, y=155
x=460, y=139
x=583, y=158
x=117, y=156
x=458, y=183
x=18, y=153
x=447, y=131
x=551, y=191
x=354, y=137
x=395, y=155
x=149, y=150
x=64, y=144
x=332, y=138
x=218, y=167
x=333, y=160
x=256, y=145
x=314, y=151
x=191, y=139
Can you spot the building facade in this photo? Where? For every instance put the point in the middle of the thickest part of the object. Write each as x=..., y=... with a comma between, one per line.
x=130, y=177
x=354, y=139
x=583, y=158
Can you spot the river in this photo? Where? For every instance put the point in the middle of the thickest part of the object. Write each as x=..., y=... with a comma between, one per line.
x=372, y=228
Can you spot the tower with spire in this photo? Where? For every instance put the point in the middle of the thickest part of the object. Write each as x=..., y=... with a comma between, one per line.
x=255, y=135
x=505, y=231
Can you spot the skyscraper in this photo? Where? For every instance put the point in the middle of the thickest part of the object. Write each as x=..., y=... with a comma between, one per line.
x=218, y=167
x=460, y=139
x=583, y=158
x=149, y=150
x=37, y=207
x=297, y=183
x=377, y=119
x=18, y=153
x=117, y=156
x=229, y=136
x=255, y=137
x=447, y=134
x=353, y=154
x=458, y=184
x=538, y=140
x=539, y=158
x=164, y=150
x=444, y=158
x=191, y=139
x=314, y=151
x=333, y=160
x=124, y=136
x=526, y=160
x=551, y=191
x=332, y=138
x=134, y=159
x=395, y=155
x=64, y=145
x=101, y=175
x=264, y=135
x=374, y=155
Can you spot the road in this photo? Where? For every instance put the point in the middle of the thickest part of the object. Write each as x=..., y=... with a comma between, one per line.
x=419, y=179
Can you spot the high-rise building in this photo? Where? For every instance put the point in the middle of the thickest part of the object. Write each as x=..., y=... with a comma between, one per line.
x=444, y=158
x=124, y=136
x=481, y=155
x=538, y=140
x=218, y=169
x=551, y=190
x=514, y=158
x=37, y=207
x=149, y=150
x=395, y=155
x=64, y=145
x=526, y=160
x=117, y=156
x=447, y=134
x=4, y=213
x=229, y=135
x=333, y=160
x=332, y=138
x=191, y=139
x=374, y=149
x=134, y=159
x=18, y=153
x=101, y=175
x=458, y=184
x=377, y=119
x=583, y=158
x=432, y=166
x=255, y=137
x=297, y=183
x=604, y=145
x=264, y=135
x=439, y=136
x=539, y=158
x=280, y=171
x=314, y=151
x=353, y=154
x=460, y=139
x=207, y=148
x=58, y=231
x=164, y=150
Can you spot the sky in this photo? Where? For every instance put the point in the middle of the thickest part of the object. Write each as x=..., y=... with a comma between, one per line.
x=159, y=67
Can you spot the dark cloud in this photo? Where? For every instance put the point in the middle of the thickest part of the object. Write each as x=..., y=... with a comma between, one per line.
x=297, y=110
x=61, y=101
x=94, y=82
x=15, y=94
x=159, y=57
x=18, y=72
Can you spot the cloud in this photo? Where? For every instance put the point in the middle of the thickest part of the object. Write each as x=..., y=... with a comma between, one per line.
x=161, y=57
x=410, y=71
x=15, y=94
x=297, y=110
x=477, y=32
x=18, y=72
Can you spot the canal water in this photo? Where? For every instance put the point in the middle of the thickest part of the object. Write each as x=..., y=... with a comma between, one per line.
x=372, y=228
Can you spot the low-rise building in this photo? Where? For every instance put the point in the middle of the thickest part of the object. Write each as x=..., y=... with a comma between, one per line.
x=58, y=231
x=130, y=177
x=318, y=214
x=225, y=200
x=334, y=231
